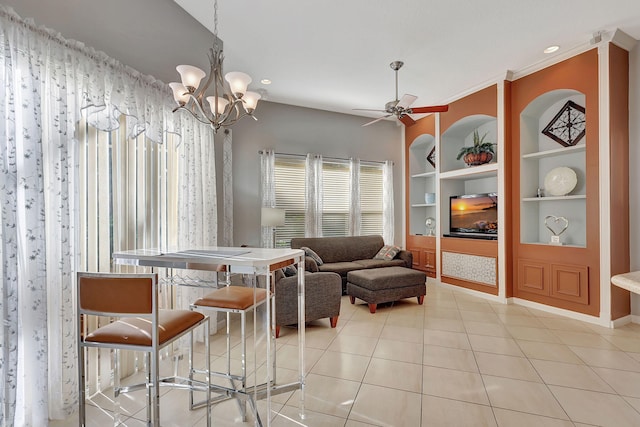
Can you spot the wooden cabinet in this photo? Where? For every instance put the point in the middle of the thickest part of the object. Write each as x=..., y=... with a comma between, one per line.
x=560, y=281
x=423, y=249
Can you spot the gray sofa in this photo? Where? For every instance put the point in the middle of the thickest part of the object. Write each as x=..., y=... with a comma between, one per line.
x=344, y=254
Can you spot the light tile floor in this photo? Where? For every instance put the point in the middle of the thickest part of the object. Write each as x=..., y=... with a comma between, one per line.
x=457, y=360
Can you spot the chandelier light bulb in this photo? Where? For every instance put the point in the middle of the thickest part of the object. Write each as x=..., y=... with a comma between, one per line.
x=238, y=81
x=222, y=103
x=180, y=93
x=250, y=101
x=190, y=76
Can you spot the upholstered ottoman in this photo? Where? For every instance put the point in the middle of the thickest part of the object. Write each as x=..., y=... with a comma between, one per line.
x=378, y=285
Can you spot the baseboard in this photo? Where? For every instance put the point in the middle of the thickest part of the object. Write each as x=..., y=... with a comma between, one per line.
x=492, y=298
x=541, y=307
x=562, y=312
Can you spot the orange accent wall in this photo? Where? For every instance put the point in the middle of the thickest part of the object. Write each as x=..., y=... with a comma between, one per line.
x=485, y=101
x=426, y=125
x=619, y=185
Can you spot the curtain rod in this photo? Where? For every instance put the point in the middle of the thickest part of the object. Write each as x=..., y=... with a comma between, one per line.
x=324, y=157
x=8, y=13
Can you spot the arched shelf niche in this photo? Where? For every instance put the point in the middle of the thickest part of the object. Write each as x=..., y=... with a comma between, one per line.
x=422, y=182
x=460, y=134
x=539, y=155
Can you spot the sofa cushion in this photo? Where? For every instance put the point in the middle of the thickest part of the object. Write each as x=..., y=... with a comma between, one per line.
x=377, y=263
x=342, y=268
x=387, y=252
x=290, y=270
x=308, y=252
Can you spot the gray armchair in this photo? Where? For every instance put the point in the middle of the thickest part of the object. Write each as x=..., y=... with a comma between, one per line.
x=323, y=293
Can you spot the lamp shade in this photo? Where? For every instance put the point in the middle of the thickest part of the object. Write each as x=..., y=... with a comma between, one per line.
x=250, y=101
x=180, y=93
x=191, y=76
x=238, y=82
x=222, y=103
x=272, y=217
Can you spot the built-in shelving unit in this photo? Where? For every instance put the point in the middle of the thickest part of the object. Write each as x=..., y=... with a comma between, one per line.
x=446, y=134
x=572, y=273
x=541, y=154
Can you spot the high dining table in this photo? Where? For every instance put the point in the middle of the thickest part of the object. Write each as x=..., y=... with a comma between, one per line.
x=241, y=260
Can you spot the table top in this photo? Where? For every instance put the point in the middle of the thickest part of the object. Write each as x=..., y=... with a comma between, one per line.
x=239, y=259
x=629, y=281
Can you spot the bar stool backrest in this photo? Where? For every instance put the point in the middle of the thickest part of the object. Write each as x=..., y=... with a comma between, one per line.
x=122, y=295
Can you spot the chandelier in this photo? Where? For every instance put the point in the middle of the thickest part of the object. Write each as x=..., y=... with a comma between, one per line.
x=229, y=102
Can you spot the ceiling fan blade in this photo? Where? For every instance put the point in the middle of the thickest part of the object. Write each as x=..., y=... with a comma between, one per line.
x=376, y=120
x=431, y=109
x=406, y=100
x=368, y=109
x=406, y=120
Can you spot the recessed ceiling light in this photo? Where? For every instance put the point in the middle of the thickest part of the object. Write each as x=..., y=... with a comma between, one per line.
x=551, y=49
x=265, y=81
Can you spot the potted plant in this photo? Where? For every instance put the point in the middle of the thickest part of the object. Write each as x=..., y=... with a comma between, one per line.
x=479, y=153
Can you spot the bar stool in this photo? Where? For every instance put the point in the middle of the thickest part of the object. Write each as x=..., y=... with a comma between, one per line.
x=132, y=299
x=240, y=300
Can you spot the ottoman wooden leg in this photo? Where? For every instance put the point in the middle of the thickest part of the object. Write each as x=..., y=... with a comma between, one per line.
x=420, y=299
x=352, y=299
x=372, y=308
x=334, y=321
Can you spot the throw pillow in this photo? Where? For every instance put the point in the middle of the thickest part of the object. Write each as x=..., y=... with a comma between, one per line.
x=290, y=270
x=311, y=254
x=387, y=253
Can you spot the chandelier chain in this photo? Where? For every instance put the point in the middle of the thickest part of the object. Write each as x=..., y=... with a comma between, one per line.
x=215, y=19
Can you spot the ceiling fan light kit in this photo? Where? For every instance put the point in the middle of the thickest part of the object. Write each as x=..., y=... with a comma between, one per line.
x=401, y=108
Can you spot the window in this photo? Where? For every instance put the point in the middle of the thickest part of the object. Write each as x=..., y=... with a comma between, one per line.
x=336, y=194
x=335, y=199
x=370, y=200
x=290, y=183
x=127, y=200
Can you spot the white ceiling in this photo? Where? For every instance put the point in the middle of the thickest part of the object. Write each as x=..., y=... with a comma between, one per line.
x=335, y=54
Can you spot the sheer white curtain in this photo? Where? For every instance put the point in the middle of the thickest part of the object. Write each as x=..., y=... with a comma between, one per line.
x=227, y=189
x=313, y=196
x=46, y=82
x=267, y=191
x=354, y=198
x=388, y=222
x=197, y=201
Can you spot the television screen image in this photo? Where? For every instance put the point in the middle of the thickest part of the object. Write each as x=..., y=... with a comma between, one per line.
x=474, y=214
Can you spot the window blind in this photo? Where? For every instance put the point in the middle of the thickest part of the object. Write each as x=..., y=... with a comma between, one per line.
x=289, y=177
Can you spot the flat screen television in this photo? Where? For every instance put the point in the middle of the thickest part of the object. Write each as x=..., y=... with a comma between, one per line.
x=474, y=215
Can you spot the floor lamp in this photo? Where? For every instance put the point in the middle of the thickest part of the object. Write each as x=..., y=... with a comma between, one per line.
x=272, y=217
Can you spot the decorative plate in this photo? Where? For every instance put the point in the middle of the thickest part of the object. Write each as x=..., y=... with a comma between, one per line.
x=560, y=181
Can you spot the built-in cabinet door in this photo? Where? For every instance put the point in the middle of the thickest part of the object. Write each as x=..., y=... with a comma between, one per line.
x=570, y=283
x=561, y=281
x=416, y=262
x=533, y=276
x=429, y=262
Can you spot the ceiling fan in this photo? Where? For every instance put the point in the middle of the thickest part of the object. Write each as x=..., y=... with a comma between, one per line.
x=401, y=108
